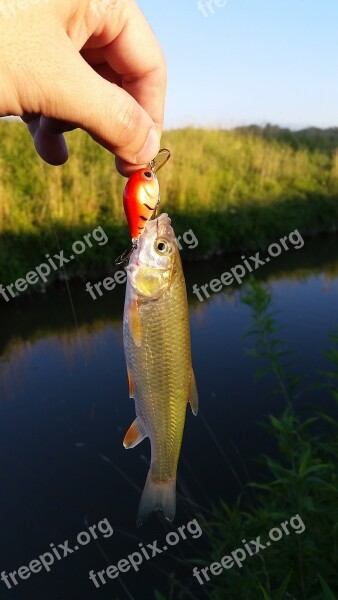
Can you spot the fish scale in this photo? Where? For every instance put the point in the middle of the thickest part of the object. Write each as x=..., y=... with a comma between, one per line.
x=158, y=355
x=161, y=403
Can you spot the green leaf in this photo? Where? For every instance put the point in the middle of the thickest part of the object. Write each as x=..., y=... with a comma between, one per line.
x=159, y=596
x=328, y=593
x=265, y=594
x=260, y=373
x=282, y=589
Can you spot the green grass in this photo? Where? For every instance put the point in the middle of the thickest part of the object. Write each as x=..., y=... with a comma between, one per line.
x=237, y=189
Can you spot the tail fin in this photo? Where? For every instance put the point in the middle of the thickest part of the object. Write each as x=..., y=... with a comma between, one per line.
x=157, y=495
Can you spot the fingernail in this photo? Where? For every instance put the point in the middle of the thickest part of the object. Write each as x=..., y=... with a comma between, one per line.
x=150, y=148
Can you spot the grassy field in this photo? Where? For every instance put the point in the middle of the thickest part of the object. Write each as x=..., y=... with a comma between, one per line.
x=237, y=190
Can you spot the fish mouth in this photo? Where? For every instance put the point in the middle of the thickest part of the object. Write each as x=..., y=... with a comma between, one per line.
x=161, y=226
x=154, y=229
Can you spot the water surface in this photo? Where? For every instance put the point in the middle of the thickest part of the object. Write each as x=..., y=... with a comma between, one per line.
x=65, y=409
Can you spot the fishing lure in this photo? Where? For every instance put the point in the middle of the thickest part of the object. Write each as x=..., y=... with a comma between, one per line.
x=141, y=197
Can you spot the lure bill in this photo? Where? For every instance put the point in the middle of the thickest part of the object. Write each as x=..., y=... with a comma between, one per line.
x=161, y=159
x=158, y=355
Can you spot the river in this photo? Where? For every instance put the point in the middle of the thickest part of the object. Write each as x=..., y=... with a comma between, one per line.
x=65, y=408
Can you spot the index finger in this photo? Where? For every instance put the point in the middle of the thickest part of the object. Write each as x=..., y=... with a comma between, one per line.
x=137, y=57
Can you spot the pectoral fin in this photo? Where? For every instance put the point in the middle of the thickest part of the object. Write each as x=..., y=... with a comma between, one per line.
x=135, y=434
x=193, y=395
x=134, y=322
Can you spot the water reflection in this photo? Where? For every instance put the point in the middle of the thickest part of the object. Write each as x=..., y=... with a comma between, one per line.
x=64, y=410
x=29, y=319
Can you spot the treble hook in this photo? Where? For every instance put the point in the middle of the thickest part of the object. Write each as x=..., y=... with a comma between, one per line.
x=127, y=253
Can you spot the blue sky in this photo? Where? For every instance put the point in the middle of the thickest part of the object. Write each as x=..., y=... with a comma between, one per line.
x=252, y=61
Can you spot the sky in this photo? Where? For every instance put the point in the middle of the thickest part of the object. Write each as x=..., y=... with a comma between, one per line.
x=250, y=61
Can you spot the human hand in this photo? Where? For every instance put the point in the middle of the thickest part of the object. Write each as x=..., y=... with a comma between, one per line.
x=93, y=64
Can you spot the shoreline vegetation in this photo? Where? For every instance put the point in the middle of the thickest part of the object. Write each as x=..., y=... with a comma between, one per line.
x=238, y=190
x=297, y=477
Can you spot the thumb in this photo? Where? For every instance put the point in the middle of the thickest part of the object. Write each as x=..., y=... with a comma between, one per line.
x=106, y=111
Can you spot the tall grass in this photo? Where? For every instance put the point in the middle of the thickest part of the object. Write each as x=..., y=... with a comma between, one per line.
x=210, y=171
x=238, y=189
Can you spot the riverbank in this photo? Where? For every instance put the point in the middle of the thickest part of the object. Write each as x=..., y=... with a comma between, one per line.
x=237, y=190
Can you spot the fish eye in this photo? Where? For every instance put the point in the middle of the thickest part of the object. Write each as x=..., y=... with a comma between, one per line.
x=162, y=247
x=148, y=174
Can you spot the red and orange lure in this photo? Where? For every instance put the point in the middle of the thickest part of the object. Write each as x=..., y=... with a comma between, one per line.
x=141, y=197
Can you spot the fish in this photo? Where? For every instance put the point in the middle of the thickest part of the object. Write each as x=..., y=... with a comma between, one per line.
x=156, y=335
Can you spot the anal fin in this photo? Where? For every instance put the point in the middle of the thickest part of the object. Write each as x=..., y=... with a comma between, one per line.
x=135, y=434
x=193, y=394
